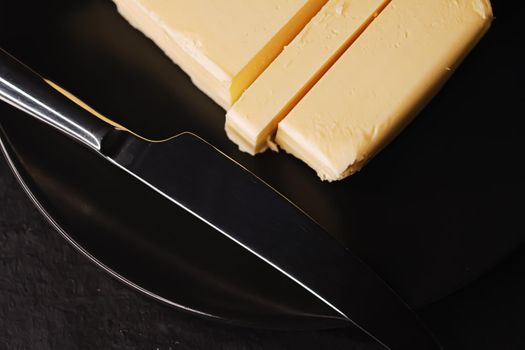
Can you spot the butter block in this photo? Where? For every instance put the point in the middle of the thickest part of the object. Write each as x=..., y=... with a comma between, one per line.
x=222, y=45
x=381, y=82
x=252, y=121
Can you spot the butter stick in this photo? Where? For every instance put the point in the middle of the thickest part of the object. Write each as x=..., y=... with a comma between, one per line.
x=252, y=121
x=381, y=82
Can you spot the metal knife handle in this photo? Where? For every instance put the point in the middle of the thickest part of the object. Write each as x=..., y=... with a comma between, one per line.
x=29, y=92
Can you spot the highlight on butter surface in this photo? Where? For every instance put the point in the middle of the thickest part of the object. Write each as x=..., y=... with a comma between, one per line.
x=329, y=81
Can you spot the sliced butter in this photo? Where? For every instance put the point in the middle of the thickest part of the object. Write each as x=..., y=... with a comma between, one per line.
x=222, y=45
x=381, y=82
x=252, y=120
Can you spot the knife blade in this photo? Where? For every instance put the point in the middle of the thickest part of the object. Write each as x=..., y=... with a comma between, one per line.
x=199, y=178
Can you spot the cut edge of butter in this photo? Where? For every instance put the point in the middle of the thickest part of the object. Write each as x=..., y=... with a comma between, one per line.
x=293, y=143
x=255, y=136
x=260, y=62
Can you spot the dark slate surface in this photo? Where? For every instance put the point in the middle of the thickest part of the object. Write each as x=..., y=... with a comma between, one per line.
x=51, y=297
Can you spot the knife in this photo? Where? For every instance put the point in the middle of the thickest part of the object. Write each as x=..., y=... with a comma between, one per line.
x=200, y=179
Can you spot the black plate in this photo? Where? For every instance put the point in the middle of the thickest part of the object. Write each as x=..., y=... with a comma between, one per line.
x=432, y=212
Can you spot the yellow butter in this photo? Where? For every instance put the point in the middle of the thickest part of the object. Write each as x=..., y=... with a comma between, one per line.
x=252, y=120
x=222, y=45
x=381, y=82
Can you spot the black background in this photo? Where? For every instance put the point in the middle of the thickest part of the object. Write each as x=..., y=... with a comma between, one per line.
x=53, y=298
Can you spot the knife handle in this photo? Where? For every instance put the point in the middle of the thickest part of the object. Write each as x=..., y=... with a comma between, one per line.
x=28, y=91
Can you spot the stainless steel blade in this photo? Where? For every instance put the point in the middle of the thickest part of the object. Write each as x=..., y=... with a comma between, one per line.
x=199, y=178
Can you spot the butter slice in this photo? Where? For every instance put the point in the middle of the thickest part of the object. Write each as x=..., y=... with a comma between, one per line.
x=222, y=45
x=381, y=82
x=252, y=120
